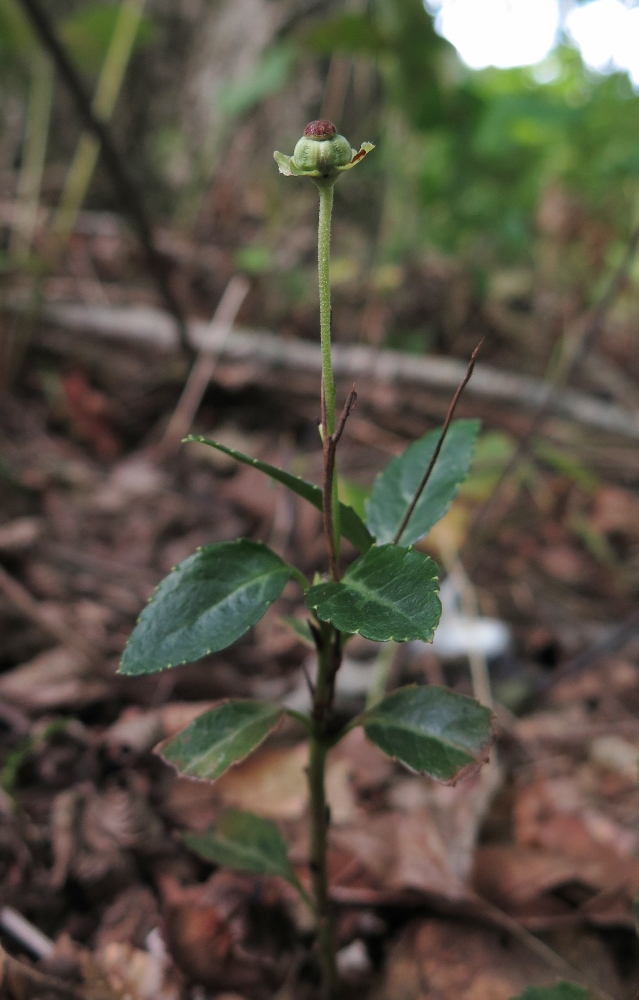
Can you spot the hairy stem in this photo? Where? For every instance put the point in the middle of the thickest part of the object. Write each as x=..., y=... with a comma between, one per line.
x=329, y=659
x=328, y=384
x=323, y=270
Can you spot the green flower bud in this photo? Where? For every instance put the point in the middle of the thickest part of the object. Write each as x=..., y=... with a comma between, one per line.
x=321, y=153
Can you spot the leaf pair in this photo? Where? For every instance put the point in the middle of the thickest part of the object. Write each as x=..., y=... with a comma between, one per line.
x=394, y=488
x=216, y=595
x=429, y=729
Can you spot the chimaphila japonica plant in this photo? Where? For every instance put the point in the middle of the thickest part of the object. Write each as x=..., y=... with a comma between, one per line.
x=389, y=592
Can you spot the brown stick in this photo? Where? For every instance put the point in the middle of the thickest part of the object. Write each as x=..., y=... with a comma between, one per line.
x=438, y=447
x=204, y=367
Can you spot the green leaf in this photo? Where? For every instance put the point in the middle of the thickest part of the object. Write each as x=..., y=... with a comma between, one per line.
x=247, y=843
x=396, y=486
x=388, y=593
x=352, y=527
x=301, y=628
x=430, y=729
x=563, y=990
x=204, y=605
x=220, y=737
x=271, y=73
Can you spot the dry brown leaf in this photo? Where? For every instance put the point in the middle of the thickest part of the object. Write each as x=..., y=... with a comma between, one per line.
x=207, y=925
x=616, y=512
x=271, y=782
x=137, y=730
x=130, y=918
x=57, y=678
x=138, y=974
x=95, y=834
x=442, y=960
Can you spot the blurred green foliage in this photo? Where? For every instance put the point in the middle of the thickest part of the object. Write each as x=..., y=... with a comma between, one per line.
x=464, y=158
x=475, y=150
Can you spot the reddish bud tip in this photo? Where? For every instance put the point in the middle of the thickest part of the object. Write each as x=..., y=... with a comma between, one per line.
x=321, y=129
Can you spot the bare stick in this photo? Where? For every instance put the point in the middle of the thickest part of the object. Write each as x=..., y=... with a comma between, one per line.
x=23, y=931
x=127, y=192
x=202, y=371
x=438, y=447
x=330, y=447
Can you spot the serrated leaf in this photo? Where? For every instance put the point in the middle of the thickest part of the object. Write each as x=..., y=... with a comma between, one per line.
x=204, y=605
x=221, y=737
x=563, y=990
x=431, y=729
x=388, y=593
x=247, y=843
x=395, y=487
x=351, y=526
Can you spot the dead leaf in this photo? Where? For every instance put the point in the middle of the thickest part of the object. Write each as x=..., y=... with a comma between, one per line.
x=57, y=678
x=96, y=834
x=20, y=534
x=616, y=512
x=207, y=927
x=442, y=960
x=137, y=974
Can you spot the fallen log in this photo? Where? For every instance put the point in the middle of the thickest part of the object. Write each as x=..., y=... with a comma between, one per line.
x=145, y=325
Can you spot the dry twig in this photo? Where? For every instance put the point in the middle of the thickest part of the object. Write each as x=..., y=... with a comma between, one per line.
x=202, y=371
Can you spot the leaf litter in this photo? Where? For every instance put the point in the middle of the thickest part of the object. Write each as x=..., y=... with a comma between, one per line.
x=426, y=877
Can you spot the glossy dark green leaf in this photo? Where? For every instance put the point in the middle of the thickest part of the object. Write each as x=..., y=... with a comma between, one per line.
x=245, y=842
x=352, y=527
x=220, y=738
x=563, y=990
x=205, y=604
x=388, y=593
x=396, y=486
x=431, y=729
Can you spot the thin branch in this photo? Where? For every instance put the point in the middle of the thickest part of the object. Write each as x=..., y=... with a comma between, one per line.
x=345, y=414
x=127, y=192
x=23, y=931
x=438, y=446
x=330, y=442
x=204, y=367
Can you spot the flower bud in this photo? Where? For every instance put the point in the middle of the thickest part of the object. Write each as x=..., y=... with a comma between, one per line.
x=321, y=153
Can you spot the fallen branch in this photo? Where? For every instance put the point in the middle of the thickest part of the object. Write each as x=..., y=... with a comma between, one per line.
x=144, y=325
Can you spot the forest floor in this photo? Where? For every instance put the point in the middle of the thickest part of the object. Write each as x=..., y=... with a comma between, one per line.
x=519, y=875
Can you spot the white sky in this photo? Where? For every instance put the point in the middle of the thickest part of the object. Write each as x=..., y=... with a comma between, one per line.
x=508, y=33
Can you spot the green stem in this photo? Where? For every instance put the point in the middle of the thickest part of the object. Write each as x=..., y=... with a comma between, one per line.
x=328, y=383
x=323, y=269
x=319, y=812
